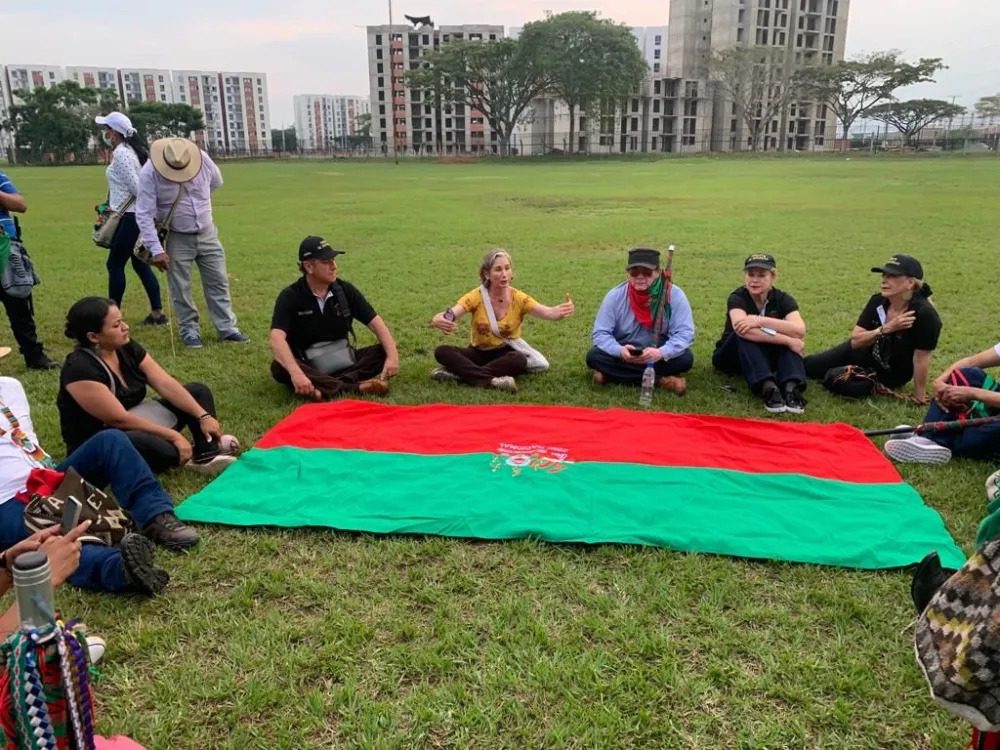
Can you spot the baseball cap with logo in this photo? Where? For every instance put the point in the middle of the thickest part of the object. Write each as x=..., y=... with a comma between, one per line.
x=316, y=248
x=901, y=265
x=760, y=260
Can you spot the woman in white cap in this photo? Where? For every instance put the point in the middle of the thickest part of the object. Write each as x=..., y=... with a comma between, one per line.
x=128, y=156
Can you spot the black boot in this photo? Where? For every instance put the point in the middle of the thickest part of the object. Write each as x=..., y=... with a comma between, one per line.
x=927, y=579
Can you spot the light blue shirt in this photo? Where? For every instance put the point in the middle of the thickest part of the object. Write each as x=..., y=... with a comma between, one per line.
x=616, y=326
x=156, y=196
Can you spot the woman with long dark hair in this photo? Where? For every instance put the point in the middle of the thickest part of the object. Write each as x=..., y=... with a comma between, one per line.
x=103, y=384
x=128, y=156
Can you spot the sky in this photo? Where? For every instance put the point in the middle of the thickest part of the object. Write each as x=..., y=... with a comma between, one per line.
x=319, y=46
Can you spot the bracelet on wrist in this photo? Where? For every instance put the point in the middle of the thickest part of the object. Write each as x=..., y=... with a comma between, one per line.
x=203, y=416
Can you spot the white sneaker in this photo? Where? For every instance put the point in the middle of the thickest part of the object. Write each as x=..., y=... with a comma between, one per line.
x=917, y=450
x=229, y=445
x=504, y=383
x=214, y=466
x=96, y=646
x=442, y=375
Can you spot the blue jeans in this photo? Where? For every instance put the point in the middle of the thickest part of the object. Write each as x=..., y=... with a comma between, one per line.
x=619, y=371
x=759, y=362
x=106, y=459
x=973, y=442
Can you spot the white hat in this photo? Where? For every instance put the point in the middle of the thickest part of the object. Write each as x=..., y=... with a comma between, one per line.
x=117, y=122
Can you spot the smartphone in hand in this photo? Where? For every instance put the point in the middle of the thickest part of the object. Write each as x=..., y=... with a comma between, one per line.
x=71, y=515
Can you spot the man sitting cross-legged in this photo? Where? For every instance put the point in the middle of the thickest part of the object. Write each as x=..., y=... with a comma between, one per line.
x=106, y=459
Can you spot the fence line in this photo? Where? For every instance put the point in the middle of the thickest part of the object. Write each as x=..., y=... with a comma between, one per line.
x=986, y=140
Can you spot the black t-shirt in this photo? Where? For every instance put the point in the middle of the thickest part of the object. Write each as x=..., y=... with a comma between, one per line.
x=297, y=313
x=778, y=304
x=74, y=422
x=894, y=351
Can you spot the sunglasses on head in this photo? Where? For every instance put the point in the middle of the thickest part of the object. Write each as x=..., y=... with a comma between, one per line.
x=637, y=271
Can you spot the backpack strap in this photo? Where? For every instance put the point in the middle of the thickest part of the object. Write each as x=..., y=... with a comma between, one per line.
x=343, y=308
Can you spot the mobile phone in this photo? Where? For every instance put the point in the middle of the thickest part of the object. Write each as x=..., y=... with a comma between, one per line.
x=72, y=509
x=634, y=351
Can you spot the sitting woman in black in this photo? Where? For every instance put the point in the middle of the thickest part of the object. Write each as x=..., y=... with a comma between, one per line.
x=895, y=334
x=763, y=338
x=103, y=385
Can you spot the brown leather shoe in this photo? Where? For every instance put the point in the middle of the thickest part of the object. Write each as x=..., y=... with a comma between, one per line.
x=374, y=387
x=674, y=384
x=599, y=377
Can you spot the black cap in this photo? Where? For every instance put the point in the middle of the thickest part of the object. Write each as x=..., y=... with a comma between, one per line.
x=316, y=248
x=646, y=257
x=901, y=265
x=760, y=260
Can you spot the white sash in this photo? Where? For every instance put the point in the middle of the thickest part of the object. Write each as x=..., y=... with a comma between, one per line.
x=536, y=360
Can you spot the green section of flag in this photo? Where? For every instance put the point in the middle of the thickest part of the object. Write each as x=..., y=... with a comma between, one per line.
x=771, y=516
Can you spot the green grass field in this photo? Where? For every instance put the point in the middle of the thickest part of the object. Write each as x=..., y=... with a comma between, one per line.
x=311, y=639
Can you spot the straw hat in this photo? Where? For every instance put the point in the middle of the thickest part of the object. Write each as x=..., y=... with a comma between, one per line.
x=175, y=159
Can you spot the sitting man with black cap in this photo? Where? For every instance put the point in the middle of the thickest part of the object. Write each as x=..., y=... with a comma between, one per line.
x=311, y=332
x=645, y=319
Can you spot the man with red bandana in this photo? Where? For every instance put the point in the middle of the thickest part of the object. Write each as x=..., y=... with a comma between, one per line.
x=645, y=319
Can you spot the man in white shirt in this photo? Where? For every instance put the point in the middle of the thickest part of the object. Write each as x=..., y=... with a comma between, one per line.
x=106, y=459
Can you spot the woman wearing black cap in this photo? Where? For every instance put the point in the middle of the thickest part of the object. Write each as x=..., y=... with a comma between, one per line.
x=895, y=333
x=764, y=337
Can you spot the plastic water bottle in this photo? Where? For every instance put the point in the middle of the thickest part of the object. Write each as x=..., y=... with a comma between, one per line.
x=648, y=384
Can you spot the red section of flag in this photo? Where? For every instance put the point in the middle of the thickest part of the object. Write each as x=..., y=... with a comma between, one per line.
x=826, y=451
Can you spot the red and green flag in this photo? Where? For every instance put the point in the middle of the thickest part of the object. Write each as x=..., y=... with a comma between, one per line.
x=751, y=488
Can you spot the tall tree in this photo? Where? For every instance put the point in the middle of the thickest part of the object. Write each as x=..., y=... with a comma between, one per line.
x=59, y=120
x=759, y=82
x=586, y=59
x=851, y=88
x=284, y=140
x=912, y=116
x=988, y=107
x=161, y=120
x=498, y=79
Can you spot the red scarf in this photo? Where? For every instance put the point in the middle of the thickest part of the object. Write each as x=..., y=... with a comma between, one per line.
x=639, y=302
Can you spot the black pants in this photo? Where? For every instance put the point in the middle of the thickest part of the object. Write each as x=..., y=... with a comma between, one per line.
x=120, y=255
x=161, y=454
x=479, y=366
x=618, y=370
x=21, y=314
x=758, y=362
x=368, y=364
x=844, y=354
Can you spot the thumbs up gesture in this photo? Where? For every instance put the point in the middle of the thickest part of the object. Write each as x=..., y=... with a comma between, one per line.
x=566, y=308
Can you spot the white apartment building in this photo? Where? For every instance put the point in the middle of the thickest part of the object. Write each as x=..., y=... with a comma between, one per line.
x=404, y=120
x=6, y=139
x=145, y=85
x=95, y=78
x=246, y=113
x=324, y=121
x=810, y=32
x=30, y=77
x=201, y=90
